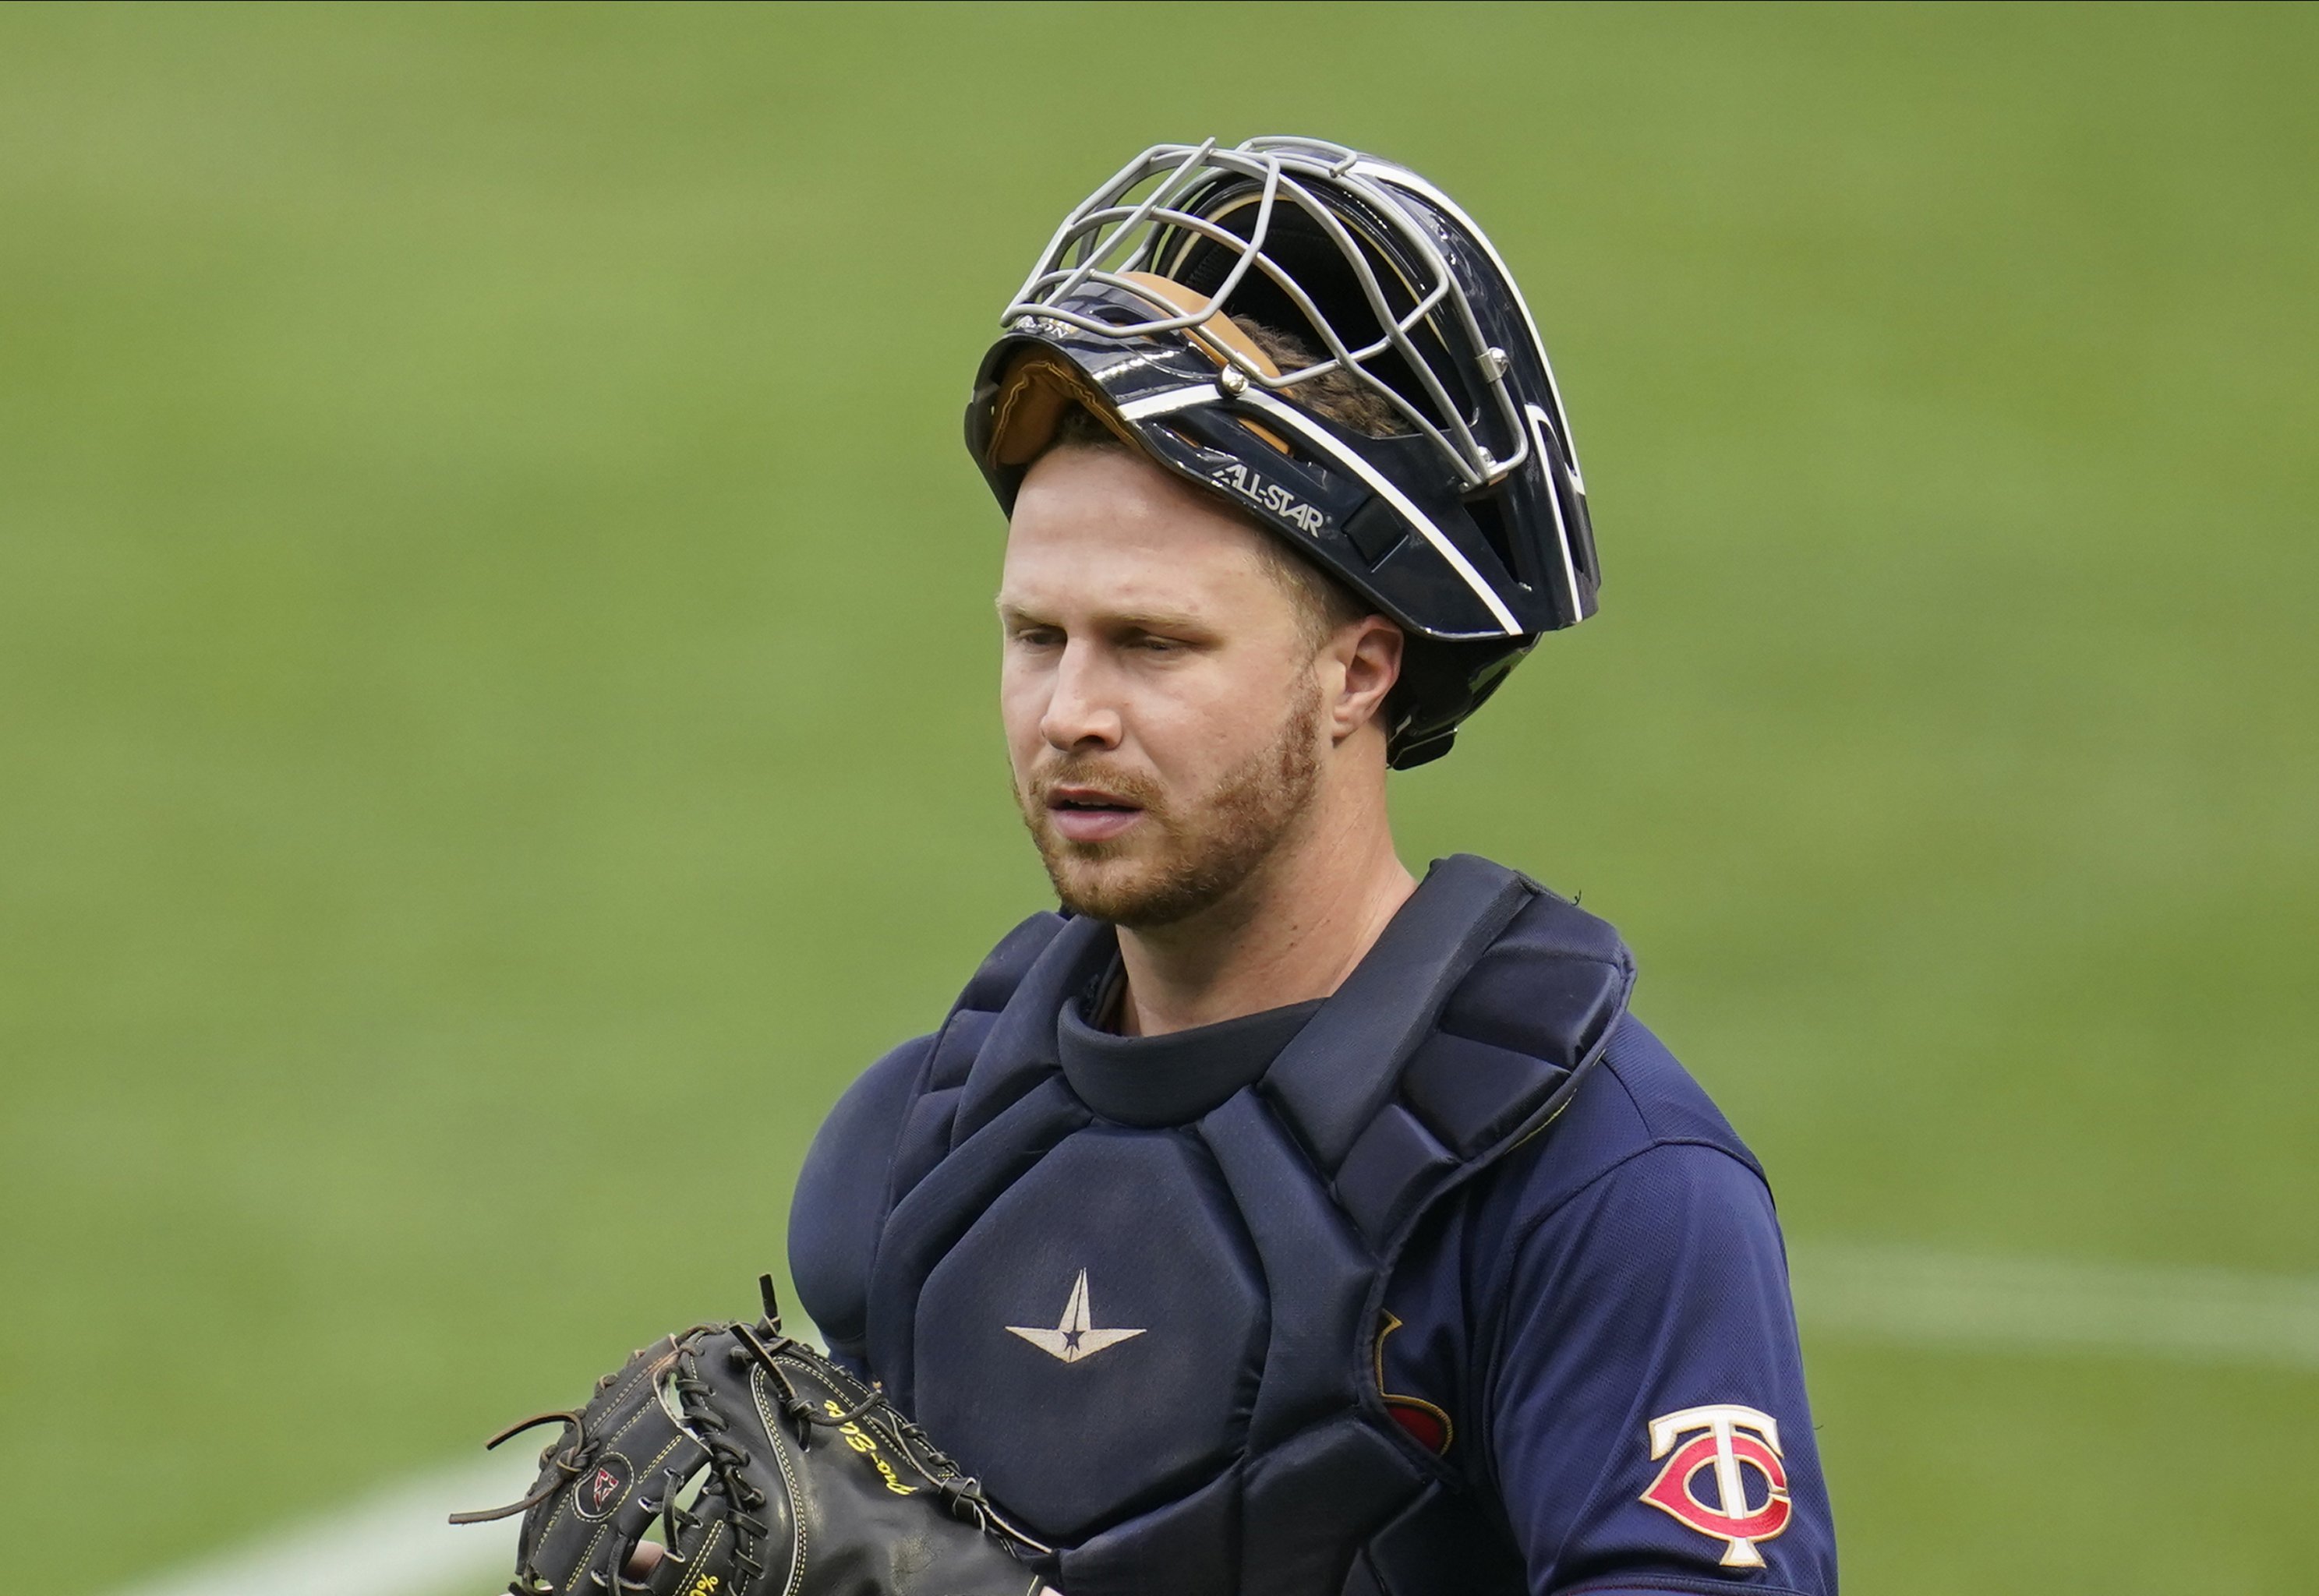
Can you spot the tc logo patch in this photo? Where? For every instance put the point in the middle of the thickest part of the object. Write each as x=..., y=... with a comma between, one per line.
x=1733, y=1437
x=601, y=1492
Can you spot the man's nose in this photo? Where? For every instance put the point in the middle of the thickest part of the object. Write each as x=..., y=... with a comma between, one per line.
x=1082, y=712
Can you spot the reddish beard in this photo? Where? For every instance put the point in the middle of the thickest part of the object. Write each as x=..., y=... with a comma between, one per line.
x=1187, y=855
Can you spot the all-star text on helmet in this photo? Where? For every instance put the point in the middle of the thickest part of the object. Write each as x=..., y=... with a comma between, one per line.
x=1466, y=523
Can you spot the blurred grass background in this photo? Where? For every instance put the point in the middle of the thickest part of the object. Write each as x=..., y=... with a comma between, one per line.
x=494, y=658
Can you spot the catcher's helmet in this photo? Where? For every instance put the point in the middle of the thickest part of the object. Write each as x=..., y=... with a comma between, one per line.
x=1466, y=523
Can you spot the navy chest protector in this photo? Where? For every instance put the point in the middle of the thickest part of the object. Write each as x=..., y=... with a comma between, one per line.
x=1158, y=1345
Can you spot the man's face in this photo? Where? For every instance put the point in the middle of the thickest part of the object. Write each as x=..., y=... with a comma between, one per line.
x=1162, y=713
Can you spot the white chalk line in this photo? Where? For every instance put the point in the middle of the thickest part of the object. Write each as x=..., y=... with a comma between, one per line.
x=2011, y=1305
x=395, y=1542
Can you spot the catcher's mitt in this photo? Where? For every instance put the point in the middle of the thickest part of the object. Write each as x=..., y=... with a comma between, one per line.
x=770, y=1471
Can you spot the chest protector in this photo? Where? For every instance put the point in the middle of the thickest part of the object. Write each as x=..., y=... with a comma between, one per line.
x=1159, y=1345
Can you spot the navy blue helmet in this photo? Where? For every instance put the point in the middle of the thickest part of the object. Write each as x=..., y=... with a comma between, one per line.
x=1461, y=514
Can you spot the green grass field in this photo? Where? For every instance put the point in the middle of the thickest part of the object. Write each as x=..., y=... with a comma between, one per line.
x=495, y=665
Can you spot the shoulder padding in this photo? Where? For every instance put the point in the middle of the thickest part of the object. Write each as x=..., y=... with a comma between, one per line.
x=890, y=1125
x=1496, y=1059
x=929, y=1132
x=1639, y=1101
x=840, y=1203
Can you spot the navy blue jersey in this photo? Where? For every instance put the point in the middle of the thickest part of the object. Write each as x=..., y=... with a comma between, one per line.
x=1559, y=1320
x=1593, y=1336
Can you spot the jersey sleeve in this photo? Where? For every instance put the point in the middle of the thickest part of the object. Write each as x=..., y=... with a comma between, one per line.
x=1644, y=1399
x=840, y=1204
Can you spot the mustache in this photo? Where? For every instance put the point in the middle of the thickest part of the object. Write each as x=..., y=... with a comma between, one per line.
x=1143, y=791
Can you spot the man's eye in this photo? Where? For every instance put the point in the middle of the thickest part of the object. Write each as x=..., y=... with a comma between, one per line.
x=1158, y=645
x=1039, y=637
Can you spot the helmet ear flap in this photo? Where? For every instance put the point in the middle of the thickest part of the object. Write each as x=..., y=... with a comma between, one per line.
x=1442, y=683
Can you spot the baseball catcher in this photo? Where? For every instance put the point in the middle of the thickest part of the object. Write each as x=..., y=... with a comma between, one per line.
x=1272, y=1222
x=768, y=1471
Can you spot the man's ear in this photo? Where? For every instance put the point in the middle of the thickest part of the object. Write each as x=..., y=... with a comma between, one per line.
x=1368, y=650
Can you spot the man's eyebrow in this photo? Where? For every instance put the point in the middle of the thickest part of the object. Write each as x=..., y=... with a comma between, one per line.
x=1135, y=620
x=1155, y=620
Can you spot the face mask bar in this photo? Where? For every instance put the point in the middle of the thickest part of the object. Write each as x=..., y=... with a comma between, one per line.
x=1110, y=234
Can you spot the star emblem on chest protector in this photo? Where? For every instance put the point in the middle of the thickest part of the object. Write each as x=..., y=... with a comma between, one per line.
x=1074, y=1336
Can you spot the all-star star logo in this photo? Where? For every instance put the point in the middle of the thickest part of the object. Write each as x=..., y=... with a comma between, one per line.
x=1075, y=1336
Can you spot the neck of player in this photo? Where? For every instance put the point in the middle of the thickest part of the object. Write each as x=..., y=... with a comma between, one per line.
x=1291, y=933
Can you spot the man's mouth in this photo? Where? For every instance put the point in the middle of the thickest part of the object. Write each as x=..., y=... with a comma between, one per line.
x=1089, y=814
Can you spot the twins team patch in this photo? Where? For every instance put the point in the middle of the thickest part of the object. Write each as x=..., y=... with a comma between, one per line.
x=1706, y=1483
